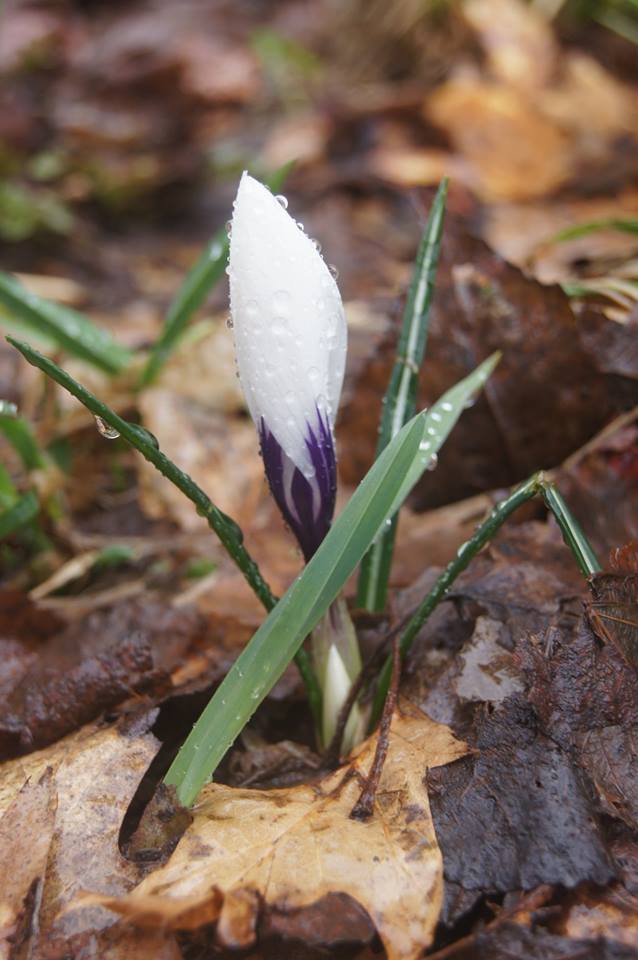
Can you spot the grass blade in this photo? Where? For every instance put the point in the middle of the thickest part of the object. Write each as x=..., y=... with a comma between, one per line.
x=226, y=529
x=60, y=326
x=199, y=281
x=572, y=534
x=400, y=400
x=20, y=436
x=24, y=510
x=263, y=660
x=619, y=224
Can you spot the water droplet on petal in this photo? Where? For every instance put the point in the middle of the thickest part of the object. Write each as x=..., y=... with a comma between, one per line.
x=229, y=322
x=334, y=273
x=279, y=326
x=316, y=245
x=228, y=227
x=281, y=301
x=110, y=433
x=282, y=200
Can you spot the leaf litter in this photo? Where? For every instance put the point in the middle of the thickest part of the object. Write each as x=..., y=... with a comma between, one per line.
x=535, y=673
x=301, y=844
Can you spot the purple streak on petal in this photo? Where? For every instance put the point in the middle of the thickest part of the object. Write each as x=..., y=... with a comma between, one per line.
x=306, y=504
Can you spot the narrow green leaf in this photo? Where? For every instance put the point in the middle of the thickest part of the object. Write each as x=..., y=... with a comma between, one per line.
x=8, y=493
x=22, y=512
x=199, y=281
x=619, y=224
x=59, y=326
x=226, y=529
x=399, y=403
x=20, y=436
x=572, y=534
x=263, y=660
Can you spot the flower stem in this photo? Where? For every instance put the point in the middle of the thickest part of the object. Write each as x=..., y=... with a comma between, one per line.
x=572, y=534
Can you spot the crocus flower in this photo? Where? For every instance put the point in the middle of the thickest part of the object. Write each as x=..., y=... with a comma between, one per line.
x=290, y=342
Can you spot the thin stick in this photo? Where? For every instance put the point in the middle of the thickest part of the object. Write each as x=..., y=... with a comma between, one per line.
x=364, y=806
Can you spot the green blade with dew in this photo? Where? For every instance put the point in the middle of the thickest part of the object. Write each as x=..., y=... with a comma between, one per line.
x=264, y=659
x=399, y=403
x=224, y=526
x=199, y=281
x=25, y=509
x=58, y=326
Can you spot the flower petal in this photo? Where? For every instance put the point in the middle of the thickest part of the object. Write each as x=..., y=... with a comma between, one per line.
x=289, y=325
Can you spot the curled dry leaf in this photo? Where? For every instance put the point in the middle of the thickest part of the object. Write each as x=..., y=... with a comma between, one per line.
x=292, y=847
x=60, y=815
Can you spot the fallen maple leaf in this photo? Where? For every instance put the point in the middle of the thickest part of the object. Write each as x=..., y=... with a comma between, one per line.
x=291, y=847
x=60, y=814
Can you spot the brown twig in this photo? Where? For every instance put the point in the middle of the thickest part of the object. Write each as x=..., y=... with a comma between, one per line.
x=364, y=806
x=368, y=671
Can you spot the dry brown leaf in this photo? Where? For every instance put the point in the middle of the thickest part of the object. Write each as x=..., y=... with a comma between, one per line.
x=520, y=46
x=62, y=808
x=291, y=847
x=514, y=150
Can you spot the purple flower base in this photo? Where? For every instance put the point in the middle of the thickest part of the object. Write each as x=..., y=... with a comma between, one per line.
x=307, y=504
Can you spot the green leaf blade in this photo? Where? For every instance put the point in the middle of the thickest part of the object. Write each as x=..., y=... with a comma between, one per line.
x=61, y=326
x=25, y=509
x=259, y=666
x=400, y=400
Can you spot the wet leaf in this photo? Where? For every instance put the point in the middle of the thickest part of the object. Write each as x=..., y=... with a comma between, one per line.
x=54, y=682
x=550, y=394
x=518, y=814
x=294, y=846
x=61, y=810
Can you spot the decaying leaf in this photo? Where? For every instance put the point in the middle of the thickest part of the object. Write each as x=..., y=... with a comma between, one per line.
x=517, y=815
x=61, y=675
x=61, y=809
x=291, y=847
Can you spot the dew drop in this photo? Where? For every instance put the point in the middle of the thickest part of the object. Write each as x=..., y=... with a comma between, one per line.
x=283, y=201
x=229, y=322
x=228, y=227
x=425, y=445
x=281, y=301
x=279, y=325
x=109, y=433
x=301, y=226
x=316, y=245
x=435, y=416
x=434, y=460
x=334, y=273
x=446, y=406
